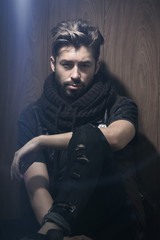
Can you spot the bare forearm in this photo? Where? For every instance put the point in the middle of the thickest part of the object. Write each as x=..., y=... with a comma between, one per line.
x=119, y=134
x=57, y=141
x=37, y=184
x=41, y=202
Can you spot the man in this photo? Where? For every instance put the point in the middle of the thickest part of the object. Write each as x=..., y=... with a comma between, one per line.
x=68, y=139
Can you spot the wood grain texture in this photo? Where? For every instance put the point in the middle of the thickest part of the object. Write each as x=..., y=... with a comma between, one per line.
x=24, y=49
x=158, y=105
x=6, y=98
x=131, y=54
x=131, y=51
x=90, y=10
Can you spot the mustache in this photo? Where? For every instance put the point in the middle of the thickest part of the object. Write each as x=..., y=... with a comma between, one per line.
x=74, y=83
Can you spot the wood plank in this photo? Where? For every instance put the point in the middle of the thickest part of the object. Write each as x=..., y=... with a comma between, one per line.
x=132, y=40
x=90, y=10
x=25, y=58
x=158, y=53
x=131, y=55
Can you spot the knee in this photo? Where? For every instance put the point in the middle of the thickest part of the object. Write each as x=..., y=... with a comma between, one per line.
x=89, y=134
x=89, y=138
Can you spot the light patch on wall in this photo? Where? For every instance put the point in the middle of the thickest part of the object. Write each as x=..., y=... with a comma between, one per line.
x=22, y=13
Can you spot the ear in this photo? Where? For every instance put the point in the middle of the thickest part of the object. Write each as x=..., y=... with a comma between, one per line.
x=98, y=64
x=52, y=63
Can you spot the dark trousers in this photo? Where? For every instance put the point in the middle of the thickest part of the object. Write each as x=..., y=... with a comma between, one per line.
x=91, y=197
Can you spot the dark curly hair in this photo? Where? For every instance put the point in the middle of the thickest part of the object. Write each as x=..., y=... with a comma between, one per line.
x=76, y=33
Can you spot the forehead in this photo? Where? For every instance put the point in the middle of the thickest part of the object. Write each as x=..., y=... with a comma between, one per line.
x=71, y=53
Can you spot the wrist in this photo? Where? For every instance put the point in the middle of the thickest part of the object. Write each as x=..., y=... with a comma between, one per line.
x=37, y=143
x=42, y=141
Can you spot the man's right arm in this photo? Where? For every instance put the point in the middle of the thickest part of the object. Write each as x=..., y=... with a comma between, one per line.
x=37, y=184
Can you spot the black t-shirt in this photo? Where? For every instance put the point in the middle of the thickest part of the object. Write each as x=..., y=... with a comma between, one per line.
x=29, y=125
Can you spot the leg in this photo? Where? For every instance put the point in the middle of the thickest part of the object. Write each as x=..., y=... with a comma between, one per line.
x=91, y=179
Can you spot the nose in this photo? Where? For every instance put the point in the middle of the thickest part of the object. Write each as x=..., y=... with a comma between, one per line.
x=75, y=74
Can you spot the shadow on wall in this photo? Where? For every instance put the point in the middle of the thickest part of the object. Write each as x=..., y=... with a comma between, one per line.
x=147, y=161
x=104, y=71
x=147, y=169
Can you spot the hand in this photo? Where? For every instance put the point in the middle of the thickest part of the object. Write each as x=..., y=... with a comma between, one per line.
x=29, y=148
x=80, y=237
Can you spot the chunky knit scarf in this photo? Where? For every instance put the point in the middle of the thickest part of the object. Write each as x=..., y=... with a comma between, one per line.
x=59, y=116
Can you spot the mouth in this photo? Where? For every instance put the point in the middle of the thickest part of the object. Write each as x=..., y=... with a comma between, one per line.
x=75, y=86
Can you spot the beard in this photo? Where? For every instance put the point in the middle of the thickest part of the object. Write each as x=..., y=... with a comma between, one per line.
x=70, y=91
x=73, y=91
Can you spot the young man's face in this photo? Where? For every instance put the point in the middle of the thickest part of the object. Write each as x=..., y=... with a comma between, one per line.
x=74, y=71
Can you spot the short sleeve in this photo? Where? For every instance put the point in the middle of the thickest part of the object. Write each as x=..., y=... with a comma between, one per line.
x=27, y=129
x=124, y=109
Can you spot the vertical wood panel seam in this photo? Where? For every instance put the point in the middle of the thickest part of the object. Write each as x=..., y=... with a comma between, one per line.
x=158, y=128
x=48, y=36
x=158, y=83
x=104, y=9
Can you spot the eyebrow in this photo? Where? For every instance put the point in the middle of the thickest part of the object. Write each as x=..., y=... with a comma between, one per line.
x=71, y=62
x=85, y=62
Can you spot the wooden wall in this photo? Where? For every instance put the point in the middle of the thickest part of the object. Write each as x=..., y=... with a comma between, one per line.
x=131, y=53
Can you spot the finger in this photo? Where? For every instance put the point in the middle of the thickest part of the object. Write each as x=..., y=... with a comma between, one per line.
x=15, y=173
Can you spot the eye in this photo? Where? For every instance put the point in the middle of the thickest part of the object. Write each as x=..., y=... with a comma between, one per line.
x=84, y=65
x=67, y=65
